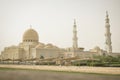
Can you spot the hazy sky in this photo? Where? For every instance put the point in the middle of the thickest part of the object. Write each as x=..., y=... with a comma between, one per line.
x=53, y=20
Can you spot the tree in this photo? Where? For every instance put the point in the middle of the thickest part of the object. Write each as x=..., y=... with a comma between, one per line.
x=41, y=57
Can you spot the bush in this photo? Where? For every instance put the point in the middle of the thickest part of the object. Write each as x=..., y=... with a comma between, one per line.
x=45, y=63
x=114, y=65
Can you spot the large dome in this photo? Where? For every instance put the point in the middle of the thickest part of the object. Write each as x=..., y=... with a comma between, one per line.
x=30, y=35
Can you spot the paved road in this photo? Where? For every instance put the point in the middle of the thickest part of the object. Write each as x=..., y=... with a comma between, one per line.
x=47, y=75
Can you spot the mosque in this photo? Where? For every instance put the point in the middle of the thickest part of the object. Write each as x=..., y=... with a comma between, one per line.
x=31, y=48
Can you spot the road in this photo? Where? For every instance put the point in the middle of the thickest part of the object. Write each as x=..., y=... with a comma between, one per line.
x=50, y=75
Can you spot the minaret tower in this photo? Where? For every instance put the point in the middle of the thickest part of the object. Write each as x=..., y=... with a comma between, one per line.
x=75, y=39
x=108, y=42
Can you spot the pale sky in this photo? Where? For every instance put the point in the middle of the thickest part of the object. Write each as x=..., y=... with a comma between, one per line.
x=53, y=20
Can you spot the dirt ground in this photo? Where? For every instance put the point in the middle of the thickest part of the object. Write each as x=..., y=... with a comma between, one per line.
x=49, y=75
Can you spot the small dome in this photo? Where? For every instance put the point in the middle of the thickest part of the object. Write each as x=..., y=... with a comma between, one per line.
x=40, y=45
x=30, y=35
x=97, y=48
x=50, y=46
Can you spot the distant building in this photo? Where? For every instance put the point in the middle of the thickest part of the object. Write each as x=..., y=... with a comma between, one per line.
x=31, y=48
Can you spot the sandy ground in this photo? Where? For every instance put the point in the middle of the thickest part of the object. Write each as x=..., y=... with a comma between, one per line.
x=49, y=75
x=101, y=70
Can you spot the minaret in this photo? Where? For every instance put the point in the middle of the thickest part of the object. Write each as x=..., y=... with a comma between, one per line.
x=75, y=39
x=30, y=26
x=108, y=42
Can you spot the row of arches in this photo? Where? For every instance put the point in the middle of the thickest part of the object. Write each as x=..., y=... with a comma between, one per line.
x=30, y=40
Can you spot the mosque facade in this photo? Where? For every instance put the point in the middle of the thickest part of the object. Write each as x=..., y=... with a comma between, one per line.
x=31, y=48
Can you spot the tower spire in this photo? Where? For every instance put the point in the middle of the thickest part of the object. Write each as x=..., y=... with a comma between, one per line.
x=30, y=26
x=75, y=39
x=74, y=21
x=108, y=42
x=107, y=17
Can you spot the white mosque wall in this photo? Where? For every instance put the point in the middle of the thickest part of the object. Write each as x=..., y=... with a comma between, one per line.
x=13, y=52
x=47, y=53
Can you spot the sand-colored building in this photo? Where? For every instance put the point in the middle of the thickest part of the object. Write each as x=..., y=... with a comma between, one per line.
x=31, y=47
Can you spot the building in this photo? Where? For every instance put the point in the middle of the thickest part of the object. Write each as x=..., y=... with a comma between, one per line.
x=31, y=48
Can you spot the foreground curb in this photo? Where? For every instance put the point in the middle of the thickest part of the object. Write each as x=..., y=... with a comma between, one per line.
x=82, y=69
